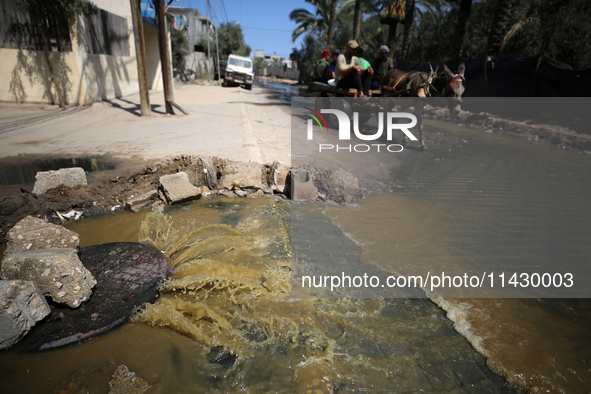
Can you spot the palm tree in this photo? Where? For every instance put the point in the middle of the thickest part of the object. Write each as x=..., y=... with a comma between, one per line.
x=396, y=11
x=462, y=27
x=357, y=20
x=331, y=21
x=392, y=14
x=498, y=27
x=409, y=19
x=321, y=21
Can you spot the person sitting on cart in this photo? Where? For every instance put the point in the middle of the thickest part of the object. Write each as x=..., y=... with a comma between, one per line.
x=320, y=73
x=332, y=68
x=348, y=73
x=381, y=65
x=367, y=73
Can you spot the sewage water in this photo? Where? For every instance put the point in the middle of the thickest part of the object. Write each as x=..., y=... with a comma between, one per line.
x=226, y=321
x=486, y=204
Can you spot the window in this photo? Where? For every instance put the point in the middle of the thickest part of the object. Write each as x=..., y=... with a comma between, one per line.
x=105, y=33
x=18, y=31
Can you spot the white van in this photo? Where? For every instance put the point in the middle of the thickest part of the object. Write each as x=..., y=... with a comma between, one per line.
x=239, y=71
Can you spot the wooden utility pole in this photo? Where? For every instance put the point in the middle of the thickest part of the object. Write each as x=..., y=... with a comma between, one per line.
x=164, y=56
x=217, y=47
x=140, y=54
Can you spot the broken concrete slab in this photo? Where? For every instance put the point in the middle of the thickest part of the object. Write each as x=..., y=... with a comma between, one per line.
x=47, y=180
x=136, y=203
x=242, y=175
x=21, y=306
x=33, y=233
x=277, y=177
x=177, y=188
x=300, y=185
x=340, y=185
x=227, y=193
x=59, y=273
x=125, y=381
x=259, y=193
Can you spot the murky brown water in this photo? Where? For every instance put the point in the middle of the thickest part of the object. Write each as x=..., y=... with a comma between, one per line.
x=226, y=321
x=487, y=204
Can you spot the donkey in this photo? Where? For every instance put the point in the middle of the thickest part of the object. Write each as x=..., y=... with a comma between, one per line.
x=398, y=83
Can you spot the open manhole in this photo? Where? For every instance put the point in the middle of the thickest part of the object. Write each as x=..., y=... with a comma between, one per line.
x=24, y=174
x=127, y=274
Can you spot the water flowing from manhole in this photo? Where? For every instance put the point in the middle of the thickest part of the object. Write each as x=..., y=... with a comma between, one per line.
x=226, y=319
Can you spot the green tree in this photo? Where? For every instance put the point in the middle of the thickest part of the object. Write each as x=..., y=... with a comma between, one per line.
x=258, y=64
x=409, y=18
x=331, y=21
x=179, y=48
x=44, y=11
x=397, y=12
x=392, y=14
x=319, y=22
x=306, y=56
x=230, y=41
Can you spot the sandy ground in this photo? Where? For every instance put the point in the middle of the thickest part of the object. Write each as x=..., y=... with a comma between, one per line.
x=233, y=123
x=225, y=123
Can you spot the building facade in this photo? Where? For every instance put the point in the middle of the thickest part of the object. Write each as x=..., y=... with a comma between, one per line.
x=198, y=29
x=93, y=58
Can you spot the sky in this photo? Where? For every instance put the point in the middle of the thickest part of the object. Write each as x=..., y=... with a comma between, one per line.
x=265, y=23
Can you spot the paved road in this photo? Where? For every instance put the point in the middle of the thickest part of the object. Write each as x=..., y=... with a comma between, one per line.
x=231, y=123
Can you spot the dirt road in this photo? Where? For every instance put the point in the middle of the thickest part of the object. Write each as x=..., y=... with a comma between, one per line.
x=232, y=123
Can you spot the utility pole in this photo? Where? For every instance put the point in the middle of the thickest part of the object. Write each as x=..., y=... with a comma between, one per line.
x=208, y=54
x=164, y=56
x=140, y=54
x=217, y=48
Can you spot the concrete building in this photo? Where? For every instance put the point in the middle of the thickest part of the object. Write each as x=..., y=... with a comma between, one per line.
x=197, y=29
x=269, y=59
x=93, y=57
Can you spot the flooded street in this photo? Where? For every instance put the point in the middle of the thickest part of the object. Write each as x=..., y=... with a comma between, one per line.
x=228, y=318
x=226, y=321
x=487, y=204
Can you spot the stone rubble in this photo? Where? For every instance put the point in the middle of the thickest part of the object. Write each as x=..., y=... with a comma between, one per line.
x=125, y=381
x=136, y=203
x=59, y=273
x=70, y=177
x=177, y=188
x=300, y=185
x=33, y=233
x=242, y=175
x=21, y=306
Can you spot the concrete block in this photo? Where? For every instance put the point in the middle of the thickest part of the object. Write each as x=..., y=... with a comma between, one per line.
x=300, y=186
x=242, y=175
x=135, y=203
x=177, y=188
x=33, y=233
x=59, y=273
x=47, y=180
x=21, y=306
